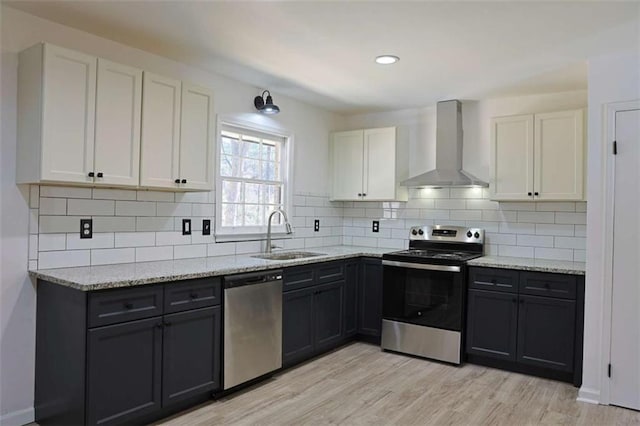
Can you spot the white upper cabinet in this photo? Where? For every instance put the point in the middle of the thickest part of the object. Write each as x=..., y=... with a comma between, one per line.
x=348, y=165
x=538, y=157
x=56, y=113
x=160, y=155
x=117, y=137
x=363, y=166
x=196, y=138
x=84, y=120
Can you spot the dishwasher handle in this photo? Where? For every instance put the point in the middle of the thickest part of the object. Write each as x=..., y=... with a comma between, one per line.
x=254, y=278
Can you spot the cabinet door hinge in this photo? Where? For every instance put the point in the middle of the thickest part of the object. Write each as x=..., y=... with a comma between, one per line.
x=615, y=147
x=609, y=370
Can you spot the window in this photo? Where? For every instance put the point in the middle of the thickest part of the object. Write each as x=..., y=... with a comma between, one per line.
x=252, y=181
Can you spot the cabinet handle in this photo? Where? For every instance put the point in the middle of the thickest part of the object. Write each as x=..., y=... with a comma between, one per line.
x=194, y=295
x=493, y=281
x=177, y=181
x=159, y=325
x=184, y=181
x=100, y=174
x=91, y=174
x=167, y=324
x=536, y=194
x=359, y=194
x=364, y=194
x=529, y=194
x=128, y=305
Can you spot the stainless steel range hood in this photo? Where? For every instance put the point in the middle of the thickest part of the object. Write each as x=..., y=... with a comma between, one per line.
x=448, y=171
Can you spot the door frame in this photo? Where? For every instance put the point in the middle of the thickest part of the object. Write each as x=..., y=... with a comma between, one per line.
x=608, y=238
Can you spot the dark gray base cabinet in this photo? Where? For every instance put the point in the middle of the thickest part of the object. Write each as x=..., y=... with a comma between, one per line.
x=370, y=299
x=528, y=321
x=130, y=354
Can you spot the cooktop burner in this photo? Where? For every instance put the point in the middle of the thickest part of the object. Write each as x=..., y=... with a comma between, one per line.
x=437, y=254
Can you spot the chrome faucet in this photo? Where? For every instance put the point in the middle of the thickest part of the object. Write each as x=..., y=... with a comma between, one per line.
x=287, y=226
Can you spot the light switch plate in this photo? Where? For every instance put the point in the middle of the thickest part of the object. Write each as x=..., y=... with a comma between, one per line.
x=186, y=226
x=206, y=226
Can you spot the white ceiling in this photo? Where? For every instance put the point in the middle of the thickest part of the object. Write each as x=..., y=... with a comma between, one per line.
x=322, y=52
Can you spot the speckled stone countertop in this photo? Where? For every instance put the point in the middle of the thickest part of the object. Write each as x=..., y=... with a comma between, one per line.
x=527, y=264
x=89, y=278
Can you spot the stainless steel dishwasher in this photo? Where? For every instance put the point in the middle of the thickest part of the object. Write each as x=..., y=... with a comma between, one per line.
x=252, y=326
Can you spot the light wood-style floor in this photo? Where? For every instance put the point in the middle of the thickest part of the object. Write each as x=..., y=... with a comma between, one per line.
x=361, y=385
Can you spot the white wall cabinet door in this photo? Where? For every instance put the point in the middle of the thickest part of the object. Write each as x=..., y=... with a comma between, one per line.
x=160, y=138
x=68, y=115
x=117, y=137
x=196, y=138
x=512, y=160
x=347, y=162
x=379, y=164
x=559, y=155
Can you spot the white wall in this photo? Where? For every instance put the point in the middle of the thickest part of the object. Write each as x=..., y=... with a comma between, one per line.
x=612, y=78
x=310, y=126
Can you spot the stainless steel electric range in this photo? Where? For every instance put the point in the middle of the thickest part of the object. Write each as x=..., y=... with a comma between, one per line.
x=424, y=292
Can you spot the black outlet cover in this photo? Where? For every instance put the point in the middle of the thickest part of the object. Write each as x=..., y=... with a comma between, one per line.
x=206, y=226
x=376, y=226
x=186, y=226
x=86, y=228
x=316, y=225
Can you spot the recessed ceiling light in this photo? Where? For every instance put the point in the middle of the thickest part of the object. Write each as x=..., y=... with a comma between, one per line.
x=387, y=59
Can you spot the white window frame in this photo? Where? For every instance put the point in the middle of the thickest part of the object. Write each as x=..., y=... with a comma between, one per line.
x=277, y=231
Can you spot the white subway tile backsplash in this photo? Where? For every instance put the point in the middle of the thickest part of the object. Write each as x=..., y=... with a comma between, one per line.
x=99, y=240
x=194, y=197
x=581, y=207
x=175, y=209
x=555, y=207
x=549, y=229
x=492, y=238
x=190, y=251
x=365, y=241
x=113, y=224
x=53, y=206
x=299, y=200
x=581, y=230
x=465, y=215
x=136, y=208
x=80, y=207
x=172, y=238
x=149, y=254
x=517, y=228
x=572, y=218
x=431, y=214
x=111, y=256
x=64, y=192
x=306, y=211
x=144, y=224
x=58, y=224
x=223, y=249
x=113, y=194
x=467, y=193
x=536, y=217
x=33, y=265
x=535, y=240
x=517, y=206
x=64, y=259
x=392, y=243
x=34, y=221
x=499, y=216
x=135, y=239
x=579, y=255
x=482, y=205
x=202, y=210
x=51, y=242
x=515, y=251
x=553, y=253
x=33, y=247
x=578, y=243
x=167, y=197
x=246, y=247
x=443, y=204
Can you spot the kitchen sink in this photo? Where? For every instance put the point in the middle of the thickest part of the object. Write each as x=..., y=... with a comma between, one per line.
x=290, y=255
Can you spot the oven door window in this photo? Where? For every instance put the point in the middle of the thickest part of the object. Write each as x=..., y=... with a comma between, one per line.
x=430, y=298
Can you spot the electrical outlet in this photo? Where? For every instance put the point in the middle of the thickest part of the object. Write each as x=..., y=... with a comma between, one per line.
x=206, y=226
x=86, y=228
x=316, y=225
x=376, y=226
x=186, y=226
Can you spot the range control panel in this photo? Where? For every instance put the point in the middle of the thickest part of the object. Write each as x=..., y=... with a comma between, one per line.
x=459, y=234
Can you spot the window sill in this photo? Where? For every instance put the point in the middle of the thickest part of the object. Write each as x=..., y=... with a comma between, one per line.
x=234, y=238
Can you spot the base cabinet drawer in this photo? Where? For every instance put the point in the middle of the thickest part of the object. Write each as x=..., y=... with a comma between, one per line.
x=128, y=304
x=192, y=294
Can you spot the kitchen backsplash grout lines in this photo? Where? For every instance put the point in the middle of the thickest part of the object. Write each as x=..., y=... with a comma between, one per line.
x=137, y=225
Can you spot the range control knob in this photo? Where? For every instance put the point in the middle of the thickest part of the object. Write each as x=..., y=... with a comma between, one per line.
x=414, y=232
x=477, y=235
x=420, y=232
x=469, y=234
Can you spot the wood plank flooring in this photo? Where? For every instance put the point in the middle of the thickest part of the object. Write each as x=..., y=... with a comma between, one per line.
x=361, y=385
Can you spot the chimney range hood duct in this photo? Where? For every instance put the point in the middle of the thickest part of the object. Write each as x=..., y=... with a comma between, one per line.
x=448, y=171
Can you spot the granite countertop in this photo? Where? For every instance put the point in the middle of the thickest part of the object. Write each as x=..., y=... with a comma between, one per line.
x=89, y=278
x=528, y=264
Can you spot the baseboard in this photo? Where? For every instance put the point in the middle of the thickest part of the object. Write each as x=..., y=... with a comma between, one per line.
x=590, y=396
x=18, y=418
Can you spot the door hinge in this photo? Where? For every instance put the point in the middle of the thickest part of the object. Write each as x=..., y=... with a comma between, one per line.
x=615, y=147
x=609, y=370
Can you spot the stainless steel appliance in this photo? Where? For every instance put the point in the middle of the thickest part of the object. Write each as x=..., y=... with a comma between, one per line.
x=424, y=291
x=252, y=326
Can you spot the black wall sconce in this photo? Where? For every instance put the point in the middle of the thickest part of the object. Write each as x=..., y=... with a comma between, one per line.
x=265, y=106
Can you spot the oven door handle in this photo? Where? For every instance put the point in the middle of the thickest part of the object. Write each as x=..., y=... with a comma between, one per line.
x=444, y=268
